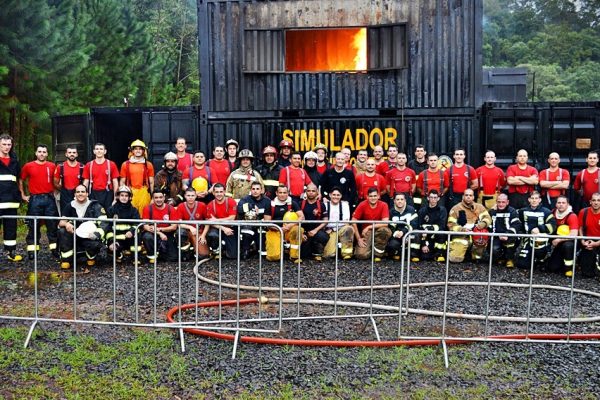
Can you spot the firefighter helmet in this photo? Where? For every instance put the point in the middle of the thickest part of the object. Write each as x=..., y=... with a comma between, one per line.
x=286, y=143
x=270, y=150
x=245, y=153
x=233, y=142
x=137, y=143
x=320, y=146
x=480, y=240
x=563, y=230
x=310, y=155
x=200, y=184
x=124, y=189
x=290, y=216
x=170, y=156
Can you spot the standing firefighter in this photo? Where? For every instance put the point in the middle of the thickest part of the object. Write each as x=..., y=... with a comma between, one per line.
x=269, y=170
x=42, y=203
x=9, y=196
x=138, y=173
x=67, y=176
x=101, y=177
x=88, y=235
x=239, y=182
x=122, y=240
x=468, y=216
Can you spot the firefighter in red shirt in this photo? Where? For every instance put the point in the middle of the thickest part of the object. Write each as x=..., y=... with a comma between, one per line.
x=193, y=236
x=554, y=181
x=371, y=209
x=165, y=232
x=431, y=179
x=491, y=181
x=184, y=159
x=458, y=178
x=223, y=209
x=589, y=226
x=199, y=169
x=41, y=202
x=401, y=179
x=587, y=182
x=390, y=163
x=521, y=179
x=219, y=166
x=67, y=175
x=101, y=177
x=369, y=179
x=295, y=178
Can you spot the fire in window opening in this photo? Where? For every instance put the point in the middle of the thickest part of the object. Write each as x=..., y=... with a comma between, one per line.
x=321, y=50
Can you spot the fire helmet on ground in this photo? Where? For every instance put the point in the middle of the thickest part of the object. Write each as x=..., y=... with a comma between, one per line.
x=563, y=230
x=200, y=184
x=137, y=143
x=290, y=216
x=245, y=153
x=480, y=240
x=286, y=143
x=170, y=156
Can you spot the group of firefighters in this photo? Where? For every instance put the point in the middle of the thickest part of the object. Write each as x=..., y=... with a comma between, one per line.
x=362, y=209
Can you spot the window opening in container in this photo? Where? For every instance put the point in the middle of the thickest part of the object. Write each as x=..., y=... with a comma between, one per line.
x=323, y=50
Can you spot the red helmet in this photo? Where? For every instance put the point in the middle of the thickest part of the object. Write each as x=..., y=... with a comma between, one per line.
x=480, y=240
x=269, y=150
x=286, y=143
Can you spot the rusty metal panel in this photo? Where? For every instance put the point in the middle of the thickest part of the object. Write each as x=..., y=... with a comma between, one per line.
x=442, y=49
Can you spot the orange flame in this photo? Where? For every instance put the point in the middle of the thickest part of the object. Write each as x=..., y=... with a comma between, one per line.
x=322, y=50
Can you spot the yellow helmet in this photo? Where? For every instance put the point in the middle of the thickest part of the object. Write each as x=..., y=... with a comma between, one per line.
x=290, y=216
x=137, y=143
x=200, y=184
x=563, y=230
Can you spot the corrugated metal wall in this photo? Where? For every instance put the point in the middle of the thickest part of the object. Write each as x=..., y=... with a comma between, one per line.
x=444, y=56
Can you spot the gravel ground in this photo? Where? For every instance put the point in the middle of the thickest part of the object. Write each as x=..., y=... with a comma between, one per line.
x=560, y=366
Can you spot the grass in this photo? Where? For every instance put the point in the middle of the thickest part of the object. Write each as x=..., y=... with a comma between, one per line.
x=149, y=366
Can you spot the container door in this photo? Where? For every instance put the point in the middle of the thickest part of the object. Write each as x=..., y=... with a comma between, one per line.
x=70, y=130
x=162, y=128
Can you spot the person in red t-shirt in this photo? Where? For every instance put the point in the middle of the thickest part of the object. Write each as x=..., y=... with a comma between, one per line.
x=67, y=175
x=219, y=166
x=371, y=209
x=103, y=177
x=295, y=178
x=431, y=179
x=587, y=182
x=458, y=178
x=554, y=181
x=369, y=179
x=200, y=169
x=589, y=226
x=222, y=209
x=193, y=210
x=165, y=232
x=41, y=202
x=401, y=179
x=521, y=179
x=562, y=257
x=392, y=158
x=491, y=181
x=184, y=159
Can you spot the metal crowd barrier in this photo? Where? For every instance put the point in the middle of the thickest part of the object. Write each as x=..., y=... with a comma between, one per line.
x=292, y=302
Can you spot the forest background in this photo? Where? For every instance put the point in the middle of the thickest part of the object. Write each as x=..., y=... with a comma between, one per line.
x=64, y=56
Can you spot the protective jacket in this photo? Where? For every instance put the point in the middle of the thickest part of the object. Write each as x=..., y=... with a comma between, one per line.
x=408, y=219
x=464, y=216
x=240, y=181
x=10, y=197
x=539, y=217
x=505, y=221
x=121, y=211
x=169, y=182
x=93, y=210
x=432, y=218
x=270, y=175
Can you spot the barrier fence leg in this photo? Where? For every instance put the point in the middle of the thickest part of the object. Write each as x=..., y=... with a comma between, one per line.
x=235, y=344
x=30, y=333
x=445, y=350
x=182, y=340
x=375, y=328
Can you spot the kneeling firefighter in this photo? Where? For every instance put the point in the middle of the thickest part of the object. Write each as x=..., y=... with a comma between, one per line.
x=120, y=237
x=283, y=208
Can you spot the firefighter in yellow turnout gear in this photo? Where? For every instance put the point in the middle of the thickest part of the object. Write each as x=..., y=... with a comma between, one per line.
x=284, y=208
x=467, y=216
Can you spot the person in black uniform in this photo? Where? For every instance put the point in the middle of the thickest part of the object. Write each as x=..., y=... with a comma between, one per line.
x=122, y=240
x=269, y=170
x=342, y=178
x=10, y=197
x=405, y=219
x=432, y=217
x=536, y=219
x=315, y=238
x=253, y=207
x=505, y=219
x=81, y=207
